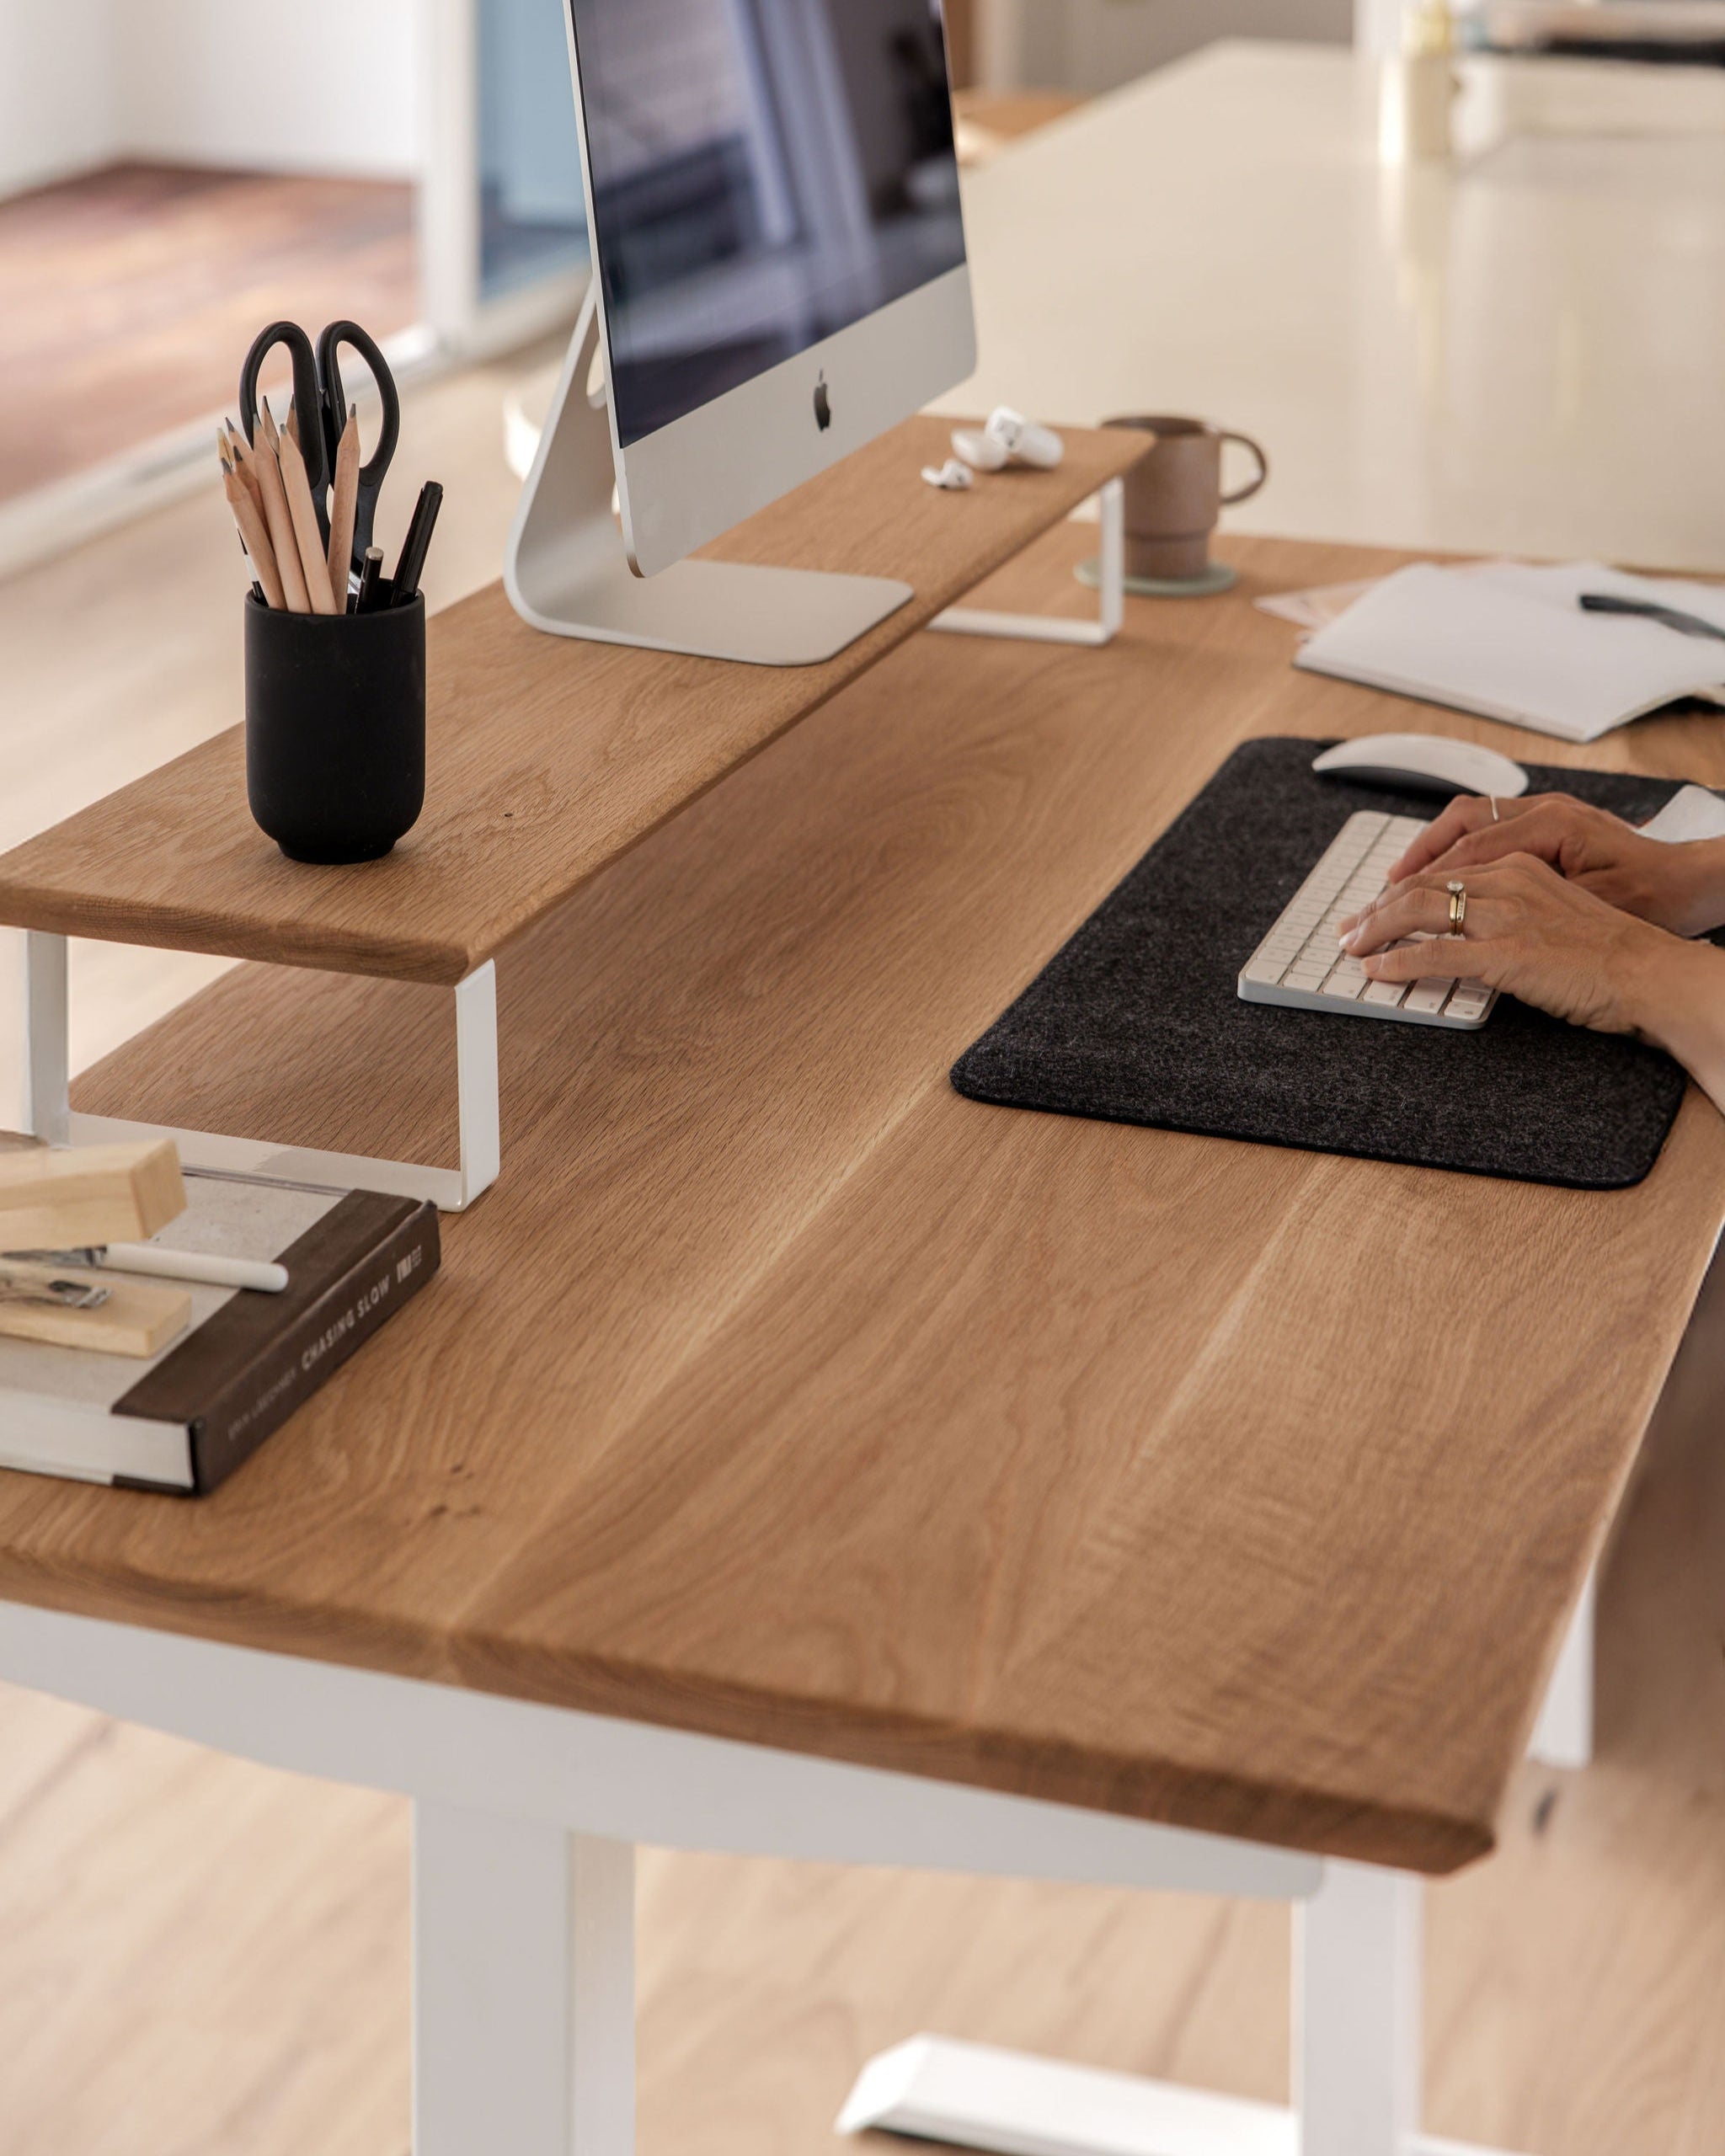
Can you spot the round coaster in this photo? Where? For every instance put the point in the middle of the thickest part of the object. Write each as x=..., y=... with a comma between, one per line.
x=1218, y=577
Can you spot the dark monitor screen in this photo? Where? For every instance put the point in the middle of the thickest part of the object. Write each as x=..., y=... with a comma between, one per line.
x=765, y=172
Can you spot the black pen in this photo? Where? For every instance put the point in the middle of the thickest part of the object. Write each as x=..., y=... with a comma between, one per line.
x=369, y=571
x=1648, y=609
x=414, y=548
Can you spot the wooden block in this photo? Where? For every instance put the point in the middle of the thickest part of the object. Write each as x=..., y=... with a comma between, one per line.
x=60, y=1199
x=136, y=1320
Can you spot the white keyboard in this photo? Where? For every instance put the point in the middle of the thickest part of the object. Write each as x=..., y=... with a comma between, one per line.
x=1300, y=964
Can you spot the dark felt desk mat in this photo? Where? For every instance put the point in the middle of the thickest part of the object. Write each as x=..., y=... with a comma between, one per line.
x=1137, y=1020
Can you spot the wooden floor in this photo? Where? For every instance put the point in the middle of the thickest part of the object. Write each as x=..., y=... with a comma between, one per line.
x=201, y=1958
x=128, y=297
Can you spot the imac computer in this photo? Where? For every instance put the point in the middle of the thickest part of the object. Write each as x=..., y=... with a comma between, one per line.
x=778, y=276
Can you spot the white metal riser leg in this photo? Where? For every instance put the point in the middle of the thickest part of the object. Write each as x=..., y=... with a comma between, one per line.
x=1356, y=2063
x=49, y=1115
x=1054, y=628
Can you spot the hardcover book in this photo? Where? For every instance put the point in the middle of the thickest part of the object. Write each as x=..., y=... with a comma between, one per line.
x=184, y=1420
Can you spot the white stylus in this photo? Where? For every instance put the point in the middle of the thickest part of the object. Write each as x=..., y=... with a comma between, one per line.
x=194, y=1267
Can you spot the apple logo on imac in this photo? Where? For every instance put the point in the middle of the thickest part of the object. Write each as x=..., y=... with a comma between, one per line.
x=823, y=404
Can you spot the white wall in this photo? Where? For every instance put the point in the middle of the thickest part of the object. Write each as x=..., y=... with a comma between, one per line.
x=57, y=103
x=1093, y=45
x=320, y=86
x=324, y=86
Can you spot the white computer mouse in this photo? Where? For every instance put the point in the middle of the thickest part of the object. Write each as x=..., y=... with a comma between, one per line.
x=1424, y=763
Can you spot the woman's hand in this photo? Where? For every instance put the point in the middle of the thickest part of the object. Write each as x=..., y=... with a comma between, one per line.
x=1563, y=950
x=1681, y=888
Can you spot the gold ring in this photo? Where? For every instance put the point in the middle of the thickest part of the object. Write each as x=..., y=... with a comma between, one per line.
x=1458, y=907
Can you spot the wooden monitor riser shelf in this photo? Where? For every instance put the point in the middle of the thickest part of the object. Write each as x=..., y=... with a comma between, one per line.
x=547, y=760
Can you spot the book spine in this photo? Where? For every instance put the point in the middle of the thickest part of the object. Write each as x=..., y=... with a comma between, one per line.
x=335, y=1327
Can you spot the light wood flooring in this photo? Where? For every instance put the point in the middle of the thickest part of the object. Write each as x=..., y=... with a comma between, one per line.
x=202, y=1958
x=128, y=297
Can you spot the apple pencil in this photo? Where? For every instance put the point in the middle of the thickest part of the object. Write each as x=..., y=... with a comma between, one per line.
x=194, y=1267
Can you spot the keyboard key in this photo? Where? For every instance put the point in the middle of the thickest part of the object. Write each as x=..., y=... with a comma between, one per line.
x=1428, y=997
x=1387, y=993
x=1343, y=987
x=1265, y=972
x=1469, y=999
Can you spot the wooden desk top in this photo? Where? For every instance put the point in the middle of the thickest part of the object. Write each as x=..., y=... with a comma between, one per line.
x=531, y=792
x=777, y=1391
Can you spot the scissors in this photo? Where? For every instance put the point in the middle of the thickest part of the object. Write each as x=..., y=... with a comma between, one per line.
x=321, y=406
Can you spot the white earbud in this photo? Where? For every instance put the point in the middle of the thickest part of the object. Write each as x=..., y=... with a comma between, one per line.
x=980, y=450
x=1023, y=441
x=952, y=476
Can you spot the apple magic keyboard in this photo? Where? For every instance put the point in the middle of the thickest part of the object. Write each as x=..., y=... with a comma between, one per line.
x=1300, y=964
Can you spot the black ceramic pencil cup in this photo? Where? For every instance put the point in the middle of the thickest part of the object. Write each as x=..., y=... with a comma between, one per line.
x=335, y=728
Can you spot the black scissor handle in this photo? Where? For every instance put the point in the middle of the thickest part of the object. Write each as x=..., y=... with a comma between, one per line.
x=372, y=472
x=308, y=396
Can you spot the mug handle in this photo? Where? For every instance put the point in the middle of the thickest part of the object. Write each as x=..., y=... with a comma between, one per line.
x=1245, y=493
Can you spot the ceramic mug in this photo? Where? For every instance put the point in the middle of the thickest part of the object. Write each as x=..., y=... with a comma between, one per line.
x=1174, y=496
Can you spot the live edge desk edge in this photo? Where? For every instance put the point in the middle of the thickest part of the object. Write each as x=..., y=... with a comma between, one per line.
x=547, y=760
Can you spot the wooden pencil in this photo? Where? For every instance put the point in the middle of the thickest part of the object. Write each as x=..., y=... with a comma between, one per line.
x=239, y=456
x=277, y=517
x=254, y=536
x=304, y=513
x=343, y=508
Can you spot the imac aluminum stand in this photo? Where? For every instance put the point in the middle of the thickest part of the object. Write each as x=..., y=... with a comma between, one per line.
x=565, y=570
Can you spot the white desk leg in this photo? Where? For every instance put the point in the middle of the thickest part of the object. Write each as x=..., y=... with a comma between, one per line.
x=524, y=1988
x=1563, y=1735
x=1356, y=2063
x=1357, y=2013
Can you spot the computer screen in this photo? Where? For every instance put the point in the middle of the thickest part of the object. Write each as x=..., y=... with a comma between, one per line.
x=764, y=173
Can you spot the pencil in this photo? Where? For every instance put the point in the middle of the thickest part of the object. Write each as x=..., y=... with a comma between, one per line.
x=239, y=452
x=254, y=536
x=343, y=508
x=277, y=518
x=304, y=513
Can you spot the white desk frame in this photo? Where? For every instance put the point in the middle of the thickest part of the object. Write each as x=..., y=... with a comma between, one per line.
x=524, y=1823
x=48, y=1113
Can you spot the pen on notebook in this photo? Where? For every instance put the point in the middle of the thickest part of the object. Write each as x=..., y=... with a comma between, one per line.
x=1650, y=609
x=417, y=544
x=194, y=1268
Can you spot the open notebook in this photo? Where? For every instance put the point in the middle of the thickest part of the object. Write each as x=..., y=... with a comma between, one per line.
x=1510, y=641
